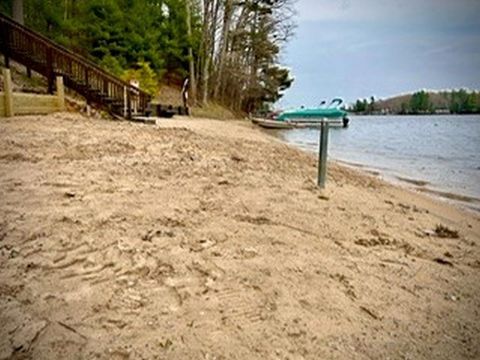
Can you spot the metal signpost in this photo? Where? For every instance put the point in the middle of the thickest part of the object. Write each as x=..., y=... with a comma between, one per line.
x=322, y=154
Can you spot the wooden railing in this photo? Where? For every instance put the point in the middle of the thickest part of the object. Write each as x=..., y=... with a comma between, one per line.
x=40, y=54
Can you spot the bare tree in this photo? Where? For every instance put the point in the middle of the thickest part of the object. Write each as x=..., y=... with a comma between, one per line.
x=191, y=62
x=239, y=49
x=227, y=19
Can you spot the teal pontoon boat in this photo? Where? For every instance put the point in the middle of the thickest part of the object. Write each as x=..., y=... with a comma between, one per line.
x=307, y=117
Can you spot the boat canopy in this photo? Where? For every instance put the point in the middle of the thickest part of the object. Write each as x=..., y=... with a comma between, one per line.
x=330, y=112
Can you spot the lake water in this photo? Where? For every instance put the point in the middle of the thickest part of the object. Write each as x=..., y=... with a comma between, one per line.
x=439, y=155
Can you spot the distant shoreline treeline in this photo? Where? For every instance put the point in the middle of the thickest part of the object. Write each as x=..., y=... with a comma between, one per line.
x=421, y=102
x=228, y=49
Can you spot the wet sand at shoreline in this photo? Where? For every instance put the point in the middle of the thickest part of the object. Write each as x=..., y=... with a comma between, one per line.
x=469, y=203
x=202, y=239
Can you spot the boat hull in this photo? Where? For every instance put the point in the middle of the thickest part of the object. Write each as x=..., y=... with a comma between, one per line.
x=276, y=124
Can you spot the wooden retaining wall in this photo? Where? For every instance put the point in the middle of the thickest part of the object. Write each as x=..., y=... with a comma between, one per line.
x=12, y=103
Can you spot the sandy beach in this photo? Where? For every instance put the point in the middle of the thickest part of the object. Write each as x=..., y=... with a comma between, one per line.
x=203, y=239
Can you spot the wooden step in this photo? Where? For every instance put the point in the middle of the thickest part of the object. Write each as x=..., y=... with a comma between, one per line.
x=40, y=54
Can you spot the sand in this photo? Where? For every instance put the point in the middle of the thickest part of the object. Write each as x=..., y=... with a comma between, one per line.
x=201, y=239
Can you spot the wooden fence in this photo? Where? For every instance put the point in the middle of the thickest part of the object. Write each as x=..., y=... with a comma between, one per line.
x=12, y=103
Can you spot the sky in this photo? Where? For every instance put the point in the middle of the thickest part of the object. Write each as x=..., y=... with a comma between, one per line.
x=361, y=48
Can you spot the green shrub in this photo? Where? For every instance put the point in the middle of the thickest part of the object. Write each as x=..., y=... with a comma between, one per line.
x=145, y=76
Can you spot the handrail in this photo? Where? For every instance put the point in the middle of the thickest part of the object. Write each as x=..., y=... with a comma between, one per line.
x=65, y=60
x=50, y=43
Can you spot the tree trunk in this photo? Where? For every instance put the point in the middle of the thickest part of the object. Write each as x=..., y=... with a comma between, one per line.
x=205, y=77
x=65, y=10
x=191, y=62
x=213, y=47
x=17, y=11
x=205, y=50
x=227, y=17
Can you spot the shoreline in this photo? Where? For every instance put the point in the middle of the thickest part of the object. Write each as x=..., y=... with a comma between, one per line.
x=439, y=192
x=200, y=238
x=417, y=186
x=419, y=114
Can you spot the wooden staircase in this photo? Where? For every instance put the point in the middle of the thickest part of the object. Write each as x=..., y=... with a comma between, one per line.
x=40, y=54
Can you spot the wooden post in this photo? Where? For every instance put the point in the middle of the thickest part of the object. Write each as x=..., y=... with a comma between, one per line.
x=86, y=79
x=50, y=73
x=322, y=154
x=129, y=105
x=125, y=102
x=7, y=85
x=4, y=37
x=60, y=94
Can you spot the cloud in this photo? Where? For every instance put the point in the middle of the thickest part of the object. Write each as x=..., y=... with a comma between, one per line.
x=382, y=48
x=390, y=11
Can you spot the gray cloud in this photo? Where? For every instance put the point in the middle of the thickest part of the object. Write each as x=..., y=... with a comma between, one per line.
x=382, y=47
x=387, y=10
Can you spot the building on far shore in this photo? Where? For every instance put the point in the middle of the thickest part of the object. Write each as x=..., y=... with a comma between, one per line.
x=442, y=111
